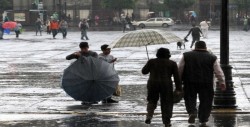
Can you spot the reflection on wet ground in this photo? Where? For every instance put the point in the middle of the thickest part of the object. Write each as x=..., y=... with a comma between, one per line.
x=119, y=120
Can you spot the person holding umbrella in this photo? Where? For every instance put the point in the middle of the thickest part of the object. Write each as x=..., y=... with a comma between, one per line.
x=105, y=55
x=160, y=85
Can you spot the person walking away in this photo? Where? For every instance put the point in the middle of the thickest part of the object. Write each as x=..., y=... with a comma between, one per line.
x=48, y=27
x=1, y=30
x=84, y=51
x=195, y=34
x=18, y=29
x=204, y=28
x=160, y=85
x=83, y=25
x=64, y=27
x=124, y=22
x=105, y=55
x=245, y=22
x=54, y=26
x=197, y=69
x=38, y=26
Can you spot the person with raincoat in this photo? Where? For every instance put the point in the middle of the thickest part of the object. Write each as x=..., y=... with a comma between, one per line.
x=105, y=55
x=160, y=85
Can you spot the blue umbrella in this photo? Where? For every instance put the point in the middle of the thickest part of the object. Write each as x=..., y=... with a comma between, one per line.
x=89, y=79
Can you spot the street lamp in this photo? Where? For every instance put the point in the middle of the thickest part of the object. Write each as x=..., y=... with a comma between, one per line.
x=225, y=99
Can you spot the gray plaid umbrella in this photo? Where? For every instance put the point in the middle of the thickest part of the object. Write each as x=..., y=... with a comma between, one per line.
x=143, y=38
x=89, y=79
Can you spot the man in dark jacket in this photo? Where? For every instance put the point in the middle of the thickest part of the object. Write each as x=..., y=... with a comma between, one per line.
x=197, y=69
x=195, y=34
x=84, y=46
x=160, y=85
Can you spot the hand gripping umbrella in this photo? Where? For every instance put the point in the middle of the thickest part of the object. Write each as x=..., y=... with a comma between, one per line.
x=89, y=79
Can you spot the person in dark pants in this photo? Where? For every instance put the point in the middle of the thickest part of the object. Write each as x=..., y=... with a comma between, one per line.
x=64, y=27
x=195, y=34
x=54, y=26
x=1, y=29
x=197, y=69
x=84, y=26
x=160, y=85
x=38, y=26
x=18, y=29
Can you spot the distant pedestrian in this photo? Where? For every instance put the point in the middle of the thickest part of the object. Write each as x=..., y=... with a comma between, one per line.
x=1, y=29
x=84, y=26
x=160, y=85
x=197, y=69
x=18, y=29
x=38, y=26
x=64, y=27
x=54, y=26
x=123, y=22
x=204, y=28
x=245, y=22
x=195, y=34
x=48, y=26
x=105, y=55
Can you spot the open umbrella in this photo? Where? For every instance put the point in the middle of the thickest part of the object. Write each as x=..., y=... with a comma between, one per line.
x=143, y=38
x=89, y=79
x=9, y=25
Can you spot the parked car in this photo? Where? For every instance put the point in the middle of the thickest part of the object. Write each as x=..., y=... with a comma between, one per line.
x=158, y=21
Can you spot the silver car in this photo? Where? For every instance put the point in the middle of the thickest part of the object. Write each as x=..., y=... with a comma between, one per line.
x=159, y=21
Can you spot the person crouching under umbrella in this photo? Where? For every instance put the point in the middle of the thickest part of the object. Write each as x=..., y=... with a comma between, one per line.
x=84, y=46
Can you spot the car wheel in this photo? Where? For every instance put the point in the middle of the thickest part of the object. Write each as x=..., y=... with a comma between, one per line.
x=165, y=25
x=142, y=25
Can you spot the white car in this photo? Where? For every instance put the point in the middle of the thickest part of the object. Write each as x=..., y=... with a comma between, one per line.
x=159, y=21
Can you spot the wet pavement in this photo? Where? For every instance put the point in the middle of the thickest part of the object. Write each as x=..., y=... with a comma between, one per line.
x=31, y=68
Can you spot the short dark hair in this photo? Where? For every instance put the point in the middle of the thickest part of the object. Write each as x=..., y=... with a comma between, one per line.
x=104, y=47
x=163, y=53
x=200, y=45
x=84, y=45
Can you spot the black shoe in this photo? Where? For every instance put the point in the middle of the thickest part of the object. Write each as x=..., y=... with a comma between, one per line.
x=191, y=118
x=148, y=121
x=168, y=125
x=109, y=100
